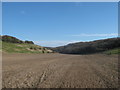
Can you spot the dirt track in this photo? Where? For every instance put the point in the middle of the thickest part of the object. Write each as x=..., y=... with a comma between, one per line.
x=60, y=71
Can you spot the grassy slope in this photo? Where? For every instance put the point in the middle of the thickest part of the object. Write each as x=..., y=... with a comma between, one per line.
x=113, y=51
x=22, y=48
x=25, y=48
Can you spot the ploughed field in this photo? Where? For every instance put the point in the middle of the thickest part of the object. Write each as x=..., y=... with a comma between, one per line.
x=59, y=71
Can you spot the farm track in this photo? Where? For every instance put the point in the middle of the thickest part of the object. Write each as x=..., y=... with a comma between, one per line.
x=59, y=71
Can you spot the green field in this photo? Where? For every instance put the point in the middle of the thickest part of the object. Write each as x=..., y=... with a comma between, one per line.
x=23, y=48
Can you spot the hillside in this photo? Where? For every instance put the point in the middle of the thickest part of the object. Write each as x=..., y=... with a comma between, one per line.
x=96, y=46
x=13, y=45
x=11, y=39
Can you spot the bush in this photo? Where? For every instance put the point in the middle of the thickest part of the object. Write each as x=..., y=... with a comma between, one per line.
x=29, y=42
x=43, y=52
x=31, y=47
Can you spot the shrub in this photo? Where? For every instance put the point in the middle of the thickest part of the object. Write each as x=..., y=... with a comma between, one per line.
x=29, y=42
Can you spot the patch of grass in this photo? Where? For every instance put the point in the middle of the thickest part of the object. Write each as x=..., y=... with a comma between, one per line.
x=113, y=51
x=21, y=48
x=0, y=45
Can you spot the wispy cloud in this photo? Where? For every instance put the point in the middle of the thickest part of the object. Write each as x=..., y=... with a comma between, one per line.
x=95, y=35
x=54, y=43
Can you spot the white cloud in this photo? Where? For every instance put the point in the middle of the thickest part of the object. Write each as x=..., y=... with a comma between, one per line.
x=54, y=43
x=95, y=35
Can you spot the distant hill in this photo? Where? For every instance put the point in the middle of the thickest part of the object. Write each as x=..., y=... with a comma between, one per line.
x=13, y=45
x=11, y=39
x=89, y=47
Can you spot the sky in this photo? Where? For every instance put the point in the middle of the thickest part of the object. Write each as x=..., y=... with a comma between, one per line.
x=54, y=24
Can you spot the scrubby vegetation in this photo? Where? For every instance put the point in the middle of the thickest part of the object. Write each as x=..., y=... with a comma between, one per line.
x=89, y=47
x=11, y=39
x=29, y=42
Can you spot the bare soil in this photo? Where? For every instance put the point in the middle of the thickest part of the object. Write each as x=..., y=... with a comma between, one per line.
x=59, y=71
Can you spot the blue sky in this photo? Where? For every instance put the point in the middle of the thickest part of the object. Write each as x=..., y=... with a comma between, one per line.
x=56, y=24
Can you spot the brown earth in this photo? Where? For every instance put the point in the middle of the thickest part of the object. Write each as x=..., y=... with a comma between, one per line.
x=60, y=71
